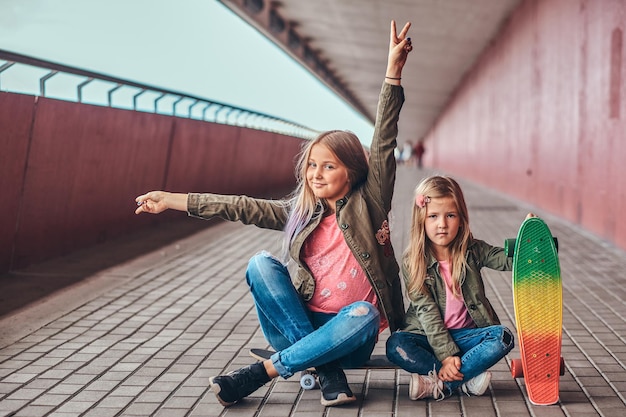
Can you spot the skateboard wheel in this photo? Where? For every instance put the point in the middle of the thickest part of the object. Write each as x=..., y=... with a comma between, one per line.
x=307, y=381
x=517, y=369
x=556, y=243
x=509, y=247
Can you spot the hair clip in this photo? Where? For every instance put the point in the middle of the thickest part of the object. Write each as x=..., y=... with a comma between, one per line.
x=421, y=200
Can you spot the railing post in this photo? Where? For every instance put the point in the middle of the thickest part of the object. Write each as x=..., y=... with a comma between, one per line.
x=143, y=90
x=79, y=88
x=181, y=98
x=3, y=68
x=110, y=94
x=42, y=82
x=156, y=100
x=191, y=107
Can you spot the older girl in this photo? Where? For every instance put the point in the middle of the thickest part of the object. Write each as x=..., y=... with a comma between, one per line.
x=346, y=288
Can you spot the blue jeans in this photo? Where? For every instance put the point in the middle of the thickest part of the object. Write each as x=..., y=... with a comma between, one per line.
x=301, y=338
x=480, y=349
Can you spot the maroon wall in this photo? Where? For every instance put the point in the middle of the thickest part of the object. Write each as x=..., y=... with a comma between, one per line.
x=16, y=115
x=70, y=172
x=233, y=161
x=541, y=116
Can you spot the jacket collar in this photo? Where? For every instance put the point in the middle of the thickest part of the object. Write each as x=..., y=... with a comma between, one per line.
x=343, y=201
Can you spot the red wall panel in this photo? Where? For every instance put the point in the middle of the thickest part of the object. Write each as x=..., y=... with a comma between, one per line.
x=226, y=159
x=265, y=163
x=16, y=115
x=83, y=175
x=202, y=155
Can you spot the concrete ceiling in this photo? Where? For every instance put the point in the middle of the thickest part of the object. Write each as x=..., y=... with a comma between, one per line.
x=345, y=43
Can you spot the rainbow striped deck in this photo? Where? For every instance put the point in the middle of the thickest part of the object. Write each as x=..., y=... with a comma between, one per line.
x=538, y=300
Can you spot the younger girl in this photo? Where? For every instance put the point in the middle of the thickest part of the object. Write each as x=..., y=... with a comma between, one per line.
x=347, y=285
x=451, y=335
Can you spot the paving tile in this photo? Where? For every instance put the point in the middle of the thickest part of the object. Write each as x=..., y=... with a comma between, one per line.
x=50, y=399
x=102, y=412
x=32, y=411
x=142, y=409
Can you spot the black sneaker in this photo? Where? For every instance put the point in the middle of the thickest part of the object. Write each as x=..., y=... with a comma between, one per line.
x=334, y=385
x=238, y=384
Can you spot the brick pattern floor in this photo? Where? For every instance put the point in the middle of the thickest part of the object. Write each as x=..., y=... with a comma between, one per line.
x=143, y=337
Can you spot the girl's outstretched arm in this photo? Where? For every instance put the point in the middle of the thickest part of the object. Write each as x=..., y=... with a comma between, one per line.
x=156, y=202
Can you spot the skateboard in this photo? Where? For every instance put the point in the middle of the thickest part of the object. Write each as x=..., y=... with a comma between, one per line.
x=308, y=377
x=538, y=302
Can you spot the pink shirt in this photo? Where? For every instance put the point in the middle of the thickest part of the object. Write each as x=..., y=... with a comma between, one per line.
x=457, y=316
x=339, y=279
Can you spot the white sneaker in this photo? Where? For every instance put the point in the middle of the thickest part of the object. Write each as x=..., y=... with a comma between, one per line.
x=477, y=385
x=426, y=386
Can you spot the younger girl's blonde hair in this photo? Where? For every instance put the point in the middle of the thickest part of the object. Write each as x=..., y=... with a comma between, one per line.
x=419, y=249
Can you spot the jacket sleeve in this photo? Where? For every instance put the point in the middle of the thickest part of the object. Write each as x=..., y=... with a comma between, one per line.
x=266, y=214
x=424, y=316
x=492, y=257
x=439, y=337
x=382, y=170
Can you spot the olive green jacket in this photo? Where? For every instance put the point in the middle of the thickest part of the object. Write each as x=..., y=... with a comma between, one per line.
x=425, y=314
x=362, y=215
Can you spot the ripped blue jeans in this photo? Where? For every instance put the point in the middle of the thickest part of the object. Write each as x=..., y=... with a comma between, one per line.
x=481, y=348
x=301, y=338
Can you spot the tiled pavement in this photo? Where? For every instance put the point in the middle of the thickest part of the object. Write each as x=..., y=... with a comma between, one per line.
x=143, y=337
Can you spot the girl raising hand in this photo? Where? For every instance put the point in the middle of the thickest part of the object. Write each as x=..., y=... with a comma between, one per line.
x=345, y=287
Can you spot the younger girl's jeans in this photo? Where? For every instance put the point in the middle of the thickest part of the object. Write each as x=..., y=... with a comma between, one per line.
x=301, y=338
x=481, y=348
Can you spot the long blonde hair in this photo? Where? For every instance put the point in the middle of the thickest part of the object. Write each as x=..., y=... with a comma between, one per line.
x=303, y=206
x=419, y=249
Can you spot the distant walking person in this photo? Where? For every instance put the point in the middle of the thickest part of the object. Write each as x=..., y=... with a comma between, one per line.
x=418, y=152
x=336, y=227
x=406, y=153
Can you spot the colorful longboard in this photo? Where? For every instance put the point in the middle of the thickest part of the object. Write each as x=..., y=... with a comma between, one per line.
x=538, y=301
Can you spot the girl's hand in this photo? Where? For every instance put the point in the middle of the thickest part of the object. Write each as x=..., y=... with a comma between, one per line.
x=399, y=48
x=450, y=367
x=152, y=202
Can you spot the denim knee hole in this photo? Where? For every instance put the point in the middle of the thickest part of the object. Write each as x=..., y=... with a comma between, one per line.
x=359, y=311
x=402, y=353
x=507, y=337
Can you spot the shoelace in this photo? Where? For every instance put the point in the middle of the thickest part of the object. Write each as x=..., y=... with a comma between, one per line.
x=437, y=391
x=244, y=379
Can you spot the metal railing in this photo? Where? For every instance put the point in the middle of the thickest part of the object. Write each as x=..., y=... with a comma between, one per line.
x=135, y=96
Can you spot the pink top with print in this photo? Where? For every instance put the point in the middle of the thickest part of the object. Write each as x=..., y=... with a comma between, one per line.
x=457, y=316
x=339, y=279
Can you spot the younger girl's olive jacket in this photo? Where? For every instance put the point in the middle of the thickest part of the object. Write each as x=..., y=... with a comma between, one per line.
x=362, y=215
x=425, y=314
